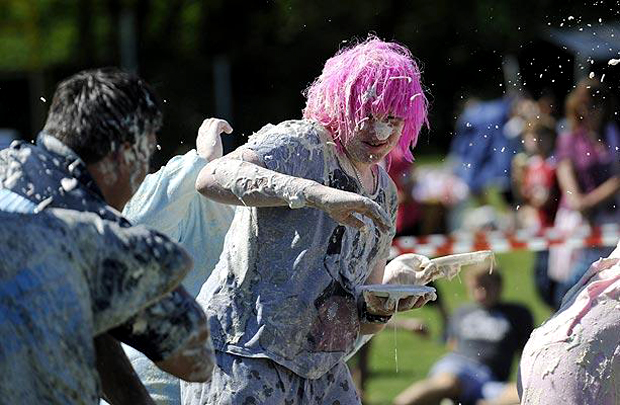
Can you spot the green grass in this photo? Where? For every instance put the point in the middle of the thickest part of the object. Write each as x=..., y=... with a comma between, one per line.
x=417, y=354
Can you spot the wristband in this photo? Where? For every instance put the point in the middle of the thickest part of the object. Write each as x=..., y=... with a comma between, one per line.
x=367, y=317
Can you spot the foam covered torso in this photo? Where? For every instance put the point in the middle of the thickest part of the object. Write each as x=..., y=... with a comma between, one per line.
x=285, y=286
x=51, y=175
x=66, y=277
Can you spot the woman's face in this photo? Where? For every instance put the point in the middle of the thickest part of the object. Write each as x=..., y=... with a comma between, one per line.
x=374, y=139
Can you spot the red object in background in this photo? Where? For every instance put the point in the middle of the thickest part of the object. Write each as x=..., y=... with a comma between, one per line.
x=540, y=188
x=408, y=214
x=501, y=242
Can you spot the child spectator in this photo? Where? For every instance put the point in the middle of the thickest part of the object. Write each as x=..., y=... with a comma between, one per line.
x=536, y=181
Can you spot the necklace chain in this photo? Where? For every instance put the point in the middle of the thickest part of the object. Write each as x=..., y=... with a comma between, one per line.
x=357, y=175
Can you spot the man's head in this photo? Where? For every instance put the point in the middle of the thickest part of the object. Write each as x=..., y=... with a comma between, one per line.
x=484, y=286
x=369, y=96
x=109, y=118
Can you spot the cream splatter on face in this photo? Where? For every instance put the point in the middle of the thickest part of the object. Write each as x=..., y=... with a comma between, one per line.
x=374, y=139
x=383, y=130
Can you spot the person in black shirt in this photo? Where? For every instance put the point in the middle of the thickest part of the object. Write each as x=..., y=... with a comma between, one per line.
x=484, y=337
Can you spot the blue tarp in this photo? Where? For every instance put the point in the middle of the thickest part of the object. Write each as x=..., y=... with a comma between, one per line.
x=597, y=41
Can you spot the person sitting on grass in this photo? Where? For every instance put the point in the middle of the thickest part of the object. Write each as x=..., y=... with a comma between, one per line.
x=484, y=336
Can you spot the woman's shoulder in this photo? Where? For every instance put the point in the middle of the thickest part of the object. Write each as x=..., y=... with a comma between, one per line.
x=304, y=132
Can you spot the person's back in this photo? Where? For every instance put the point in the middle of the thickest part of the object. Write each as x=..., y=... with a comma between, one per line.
x=66, y=277
x=574, y=357
x=47, y=325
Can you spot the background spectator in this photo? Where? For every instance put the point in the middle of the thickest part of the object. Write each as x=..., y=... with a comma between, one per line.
x=536, y=187
x=484, y=337
x=589, y=177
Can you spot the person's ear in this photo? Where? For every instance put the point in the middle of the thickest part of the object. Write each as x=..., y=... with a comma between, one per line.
x=124, y=154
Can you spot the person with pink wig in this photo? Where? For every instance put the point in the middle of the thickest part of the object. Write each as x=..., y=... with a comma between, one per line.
x=314, y=222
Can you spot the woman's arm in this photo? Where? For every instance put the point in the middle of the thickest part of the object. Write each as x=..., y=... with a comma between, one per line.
x=602, y=193
x=379, y=306
x=241, y=178
x=568, y=184
x=576, y=199
x=375, y=277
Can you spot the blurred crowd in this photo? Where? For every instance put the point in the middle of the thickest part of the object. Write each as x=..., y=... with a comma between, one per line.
x=515, y=163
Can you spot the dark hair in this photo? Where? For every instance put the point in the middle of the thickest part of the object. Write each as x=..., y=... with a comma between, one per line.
x=590, y=95
x=544, y=130
x=95, y=111
x=482, y=272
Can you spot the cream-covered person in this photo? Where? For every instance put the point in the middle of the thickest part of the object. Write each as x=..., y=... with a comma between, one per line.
x=574, y=357
x=314, y=222
x=167, y=201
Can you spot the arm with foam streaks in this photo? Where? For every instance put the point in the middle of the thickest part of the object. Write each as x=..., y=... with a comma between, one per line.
x=241, y=178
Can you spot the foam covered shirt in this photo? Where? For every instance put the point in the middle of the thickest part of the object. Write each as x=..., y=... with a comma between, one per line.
x=286, y=284
x=167, y=201
x=66, y=277
x=51, y=175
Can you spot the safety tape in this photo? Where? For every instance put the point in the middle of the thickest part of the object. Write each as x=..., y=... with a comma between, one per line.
x=501, y=242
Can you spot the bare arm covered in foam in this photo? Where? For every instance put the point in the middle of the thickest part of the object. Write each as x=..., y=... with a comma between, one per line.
x=241, y=178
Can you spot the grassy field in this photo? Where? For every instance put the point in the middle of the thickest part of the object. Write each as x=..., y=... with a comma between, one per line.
x=416, y=354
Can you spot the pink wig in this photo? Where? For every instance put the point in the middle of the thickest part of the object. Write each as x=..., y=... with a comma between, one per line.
x=373, y=78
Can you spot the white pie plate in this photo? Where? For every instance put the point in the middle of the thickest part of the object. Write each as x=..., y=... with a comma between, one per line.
x=396, y=292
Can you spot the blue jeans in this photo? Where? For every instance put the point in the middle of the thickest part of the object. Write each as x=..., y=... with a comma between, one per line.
x=474, y=377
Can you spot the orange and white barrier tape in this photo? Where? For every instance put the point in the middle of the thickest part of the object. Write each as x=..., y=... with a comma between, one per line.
x=500, y=242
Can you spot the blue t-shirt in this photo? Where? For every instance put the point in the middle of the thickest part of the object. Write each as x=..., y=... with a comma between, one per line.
x=66, y=277
x=50, y=175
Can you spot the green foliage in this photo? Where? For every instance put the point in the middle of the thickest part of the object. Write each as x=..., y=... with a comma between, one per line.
x=275, y=48
x=33, y=35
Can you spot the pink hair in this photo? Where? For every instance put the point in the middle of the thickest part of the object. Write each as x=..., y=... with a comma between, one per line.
x=372, y=78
